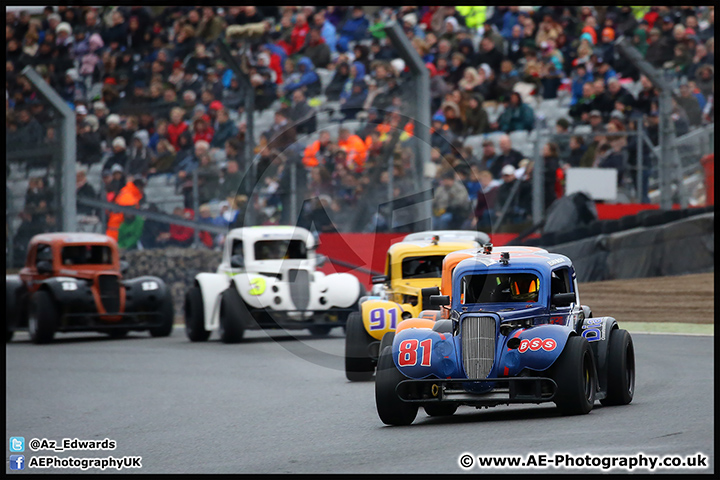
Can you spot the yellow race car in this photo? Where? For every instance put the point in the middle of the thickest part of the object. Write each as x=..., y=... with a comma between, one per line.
x=413, y=269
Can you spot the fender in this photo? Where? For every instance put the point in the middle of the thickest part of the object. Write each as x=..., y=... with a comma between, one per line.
x=433, y=315
x=211, y=286
x=71, y=292
x=420, y=352
x=539, y=347
x=144, y=294
x=597, y=332
x=380, y=317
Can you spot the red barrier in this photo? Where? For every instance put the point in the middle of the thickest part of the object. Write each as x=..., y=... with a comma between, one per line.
x=613, y=211
x=708, y=163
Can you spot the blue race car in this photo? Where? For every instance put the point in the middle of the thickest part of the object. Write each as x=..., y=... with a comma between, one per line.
x=512, y=331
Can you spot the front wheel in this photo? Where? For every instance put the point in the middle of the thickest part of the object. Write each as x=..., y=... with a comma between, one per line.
x=575, y=377
x=232, y=329
x=195, y=316
x=358, y=364
x=391, y=409
x=167, y=318
x=621, y=369
x=42, y=318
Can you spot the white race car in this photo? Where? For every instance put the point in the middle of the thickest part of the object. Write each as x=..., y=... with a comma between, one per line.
x=268, y=278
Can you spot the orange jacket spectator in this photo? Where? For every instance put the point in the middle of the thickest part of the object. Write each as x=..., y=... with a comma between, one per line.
x=310, y=158
x=129, y=196
x=354, y=147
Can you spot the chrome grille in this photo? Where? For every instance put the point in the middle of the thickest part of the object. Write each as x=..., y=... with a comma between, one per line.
x=109, y=289
x=478, y=346
x=299, y=281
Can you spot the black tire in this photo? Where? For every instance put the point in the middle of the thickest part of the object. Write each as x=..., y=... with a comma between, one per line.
x=386, y=341
x=390, y=408
x=320, y=330
x=440, y=409
x=195, y=316
x=358, y=364
x=232, y=329
x=42, y=318
x=574, y=373
x=620, y=369
x=117, y=332
x=167, y=315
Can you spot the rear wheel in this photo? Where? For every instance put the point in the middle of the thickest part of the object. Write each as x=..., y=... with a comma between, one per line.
x=117, y=333
x=386, y=341
x=440, y=409
x=358, y=364
x=320, y=330
x=42, y=318
x=167, y=318
x=574, y=373
x=390, y=408
x=621, y=369
x=195, y=316
x=232, y=329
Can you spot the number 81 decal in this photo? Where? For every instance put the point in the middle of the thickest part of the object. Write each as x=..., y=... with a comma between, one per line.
x=377, y=319
x=408, y=352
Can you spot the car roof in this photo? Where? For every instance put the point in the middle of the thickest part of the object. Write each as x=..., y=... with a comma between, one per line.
x=423, y=247
x=77, y=238
x=522, y=257
x=449, y=235
x=277, y=232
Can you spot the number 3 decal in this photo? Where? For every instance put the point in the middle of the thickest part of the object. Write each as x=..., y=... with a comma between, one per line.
x=408, y=352
x=377, y=319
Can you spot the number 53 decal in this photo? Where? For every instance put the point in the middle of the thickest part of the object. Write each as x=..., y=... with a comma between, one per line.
x=377, y=319
x=408, y=355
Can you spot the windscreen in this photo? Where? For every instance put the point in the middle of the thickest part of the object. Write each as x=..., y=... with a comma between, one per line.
x=280, y=249
x=429, y=266
x=86, y=255
x=500, y=288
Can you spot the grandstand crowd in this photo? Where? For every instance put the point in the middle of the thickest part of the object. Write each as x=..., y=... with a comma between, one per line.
x=153, y=98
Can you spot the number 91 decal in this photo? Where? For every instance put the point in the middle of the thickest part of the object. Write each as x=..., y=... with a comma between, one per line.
x=379, y=317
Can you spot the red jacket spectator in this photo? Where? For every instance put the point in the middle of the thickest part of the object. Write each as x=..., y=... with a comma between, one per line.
x=203, y=131
x=174, y=131
x=182, y=235
x=297, y=38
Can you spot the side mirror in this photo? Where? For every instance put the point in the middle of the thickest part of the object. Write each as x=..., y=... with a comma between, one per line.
x=124, y=266
x=439, y=300
x=237, y=261
x=429, y=291
x=44, y=267
x=563, y=299
x=320, y=260
x=379, y=279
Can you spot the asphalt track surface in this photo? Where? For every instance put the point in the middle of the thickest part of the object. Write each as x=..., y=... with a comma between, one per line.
x=279, y=405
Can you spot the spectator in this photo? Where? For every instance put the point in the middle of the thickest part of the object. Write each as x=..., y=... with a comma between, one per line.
x=231, y=182
x=85, y=190
x=505, y=200
x=517, y=115
x=177, y=126
x=580, y=111
x=29, y=131
x=337, y=84
x=451, y=203
x=129, y=196
x=119, y=154
x=130, y=232
x=164, y=161
x=353, y=30
x=306, y=77
x=180, y=236
x=489, y=54
x=551, y=171
x=319, y=152
x=489, y=155
x=688, y=102
x=485, y=204
x=354, y=147
x=508, y=156
x=577, y=150
x=140, y=156
x=476, y=118
x=316, y=49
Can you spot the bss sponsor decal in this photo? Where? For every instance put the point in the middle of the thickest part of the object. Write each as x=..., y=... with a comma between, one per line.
x=536, y=344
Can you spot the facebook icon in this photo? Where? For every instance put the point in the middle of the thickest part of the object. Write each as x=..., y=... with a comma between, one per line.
x=17, y=462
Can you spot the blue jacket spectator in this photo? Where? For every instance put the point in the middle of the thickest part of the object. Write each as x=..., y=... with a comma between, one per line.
x=510, y=19
x=308, y=78
x=354, y=29
x=357, y=72
x=581, y=77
